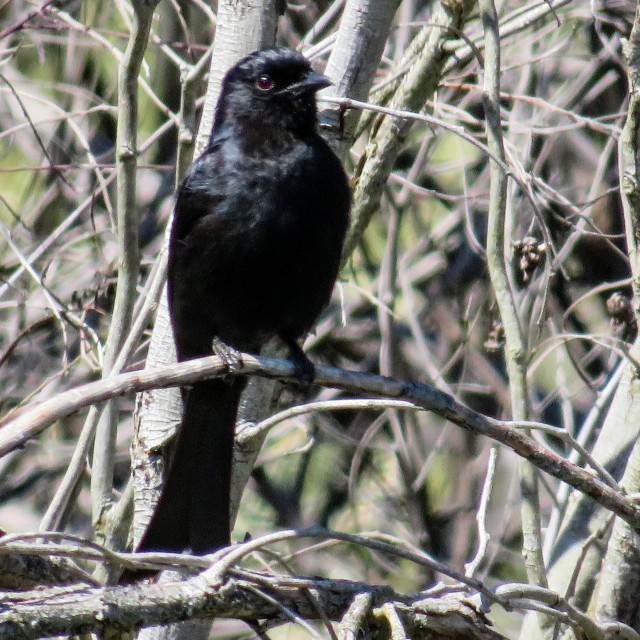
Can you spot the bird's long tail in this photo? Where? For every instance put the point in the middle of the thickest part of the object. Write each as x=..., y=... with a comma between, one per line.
x=193, y=510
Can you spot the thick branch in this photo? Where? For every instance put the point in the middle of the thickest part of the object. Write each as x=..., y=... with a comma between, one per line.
x=426, y=56
x=77, y=610
x=628, y=162
x=616, y=597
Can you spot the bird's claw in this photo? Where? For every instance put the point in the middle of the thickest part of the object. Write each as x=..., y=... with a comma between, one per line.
x=303, y=368
x=232, y=358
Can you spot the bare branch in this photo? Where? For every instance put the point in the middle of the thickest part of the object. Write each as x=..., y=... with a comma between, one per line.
x=32, y=421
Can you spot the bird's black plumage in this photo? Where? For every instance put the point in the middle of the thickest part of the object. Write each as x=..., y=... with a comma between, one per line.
x=255, y=248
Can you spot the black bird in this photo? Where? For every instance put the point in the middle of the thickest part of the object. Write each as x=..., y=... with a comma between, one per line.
x=255, y=248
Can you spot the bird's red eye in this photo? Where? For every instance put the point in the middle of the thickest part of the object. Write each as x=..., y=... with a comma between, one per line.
x=265, y=82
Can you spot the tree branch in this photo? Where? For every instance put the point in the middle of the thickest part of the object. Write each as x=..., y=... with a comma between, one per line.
x=35, y=418
x=128, y=249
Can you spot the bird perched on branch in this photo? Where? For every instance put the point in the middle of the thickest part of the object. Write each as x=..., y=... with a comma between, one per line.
x=255, y=248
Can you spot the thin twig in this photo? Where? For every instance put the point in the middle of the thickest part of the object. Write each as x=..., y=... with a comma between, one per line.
x=481, y=516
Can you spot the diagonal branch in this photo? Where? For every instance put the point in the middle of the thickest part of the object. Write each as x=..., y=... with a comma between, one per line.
x=34, y=419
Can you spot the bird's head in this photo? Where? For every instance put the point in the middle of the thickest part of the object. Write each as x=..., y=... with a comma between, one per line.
x=274, y=88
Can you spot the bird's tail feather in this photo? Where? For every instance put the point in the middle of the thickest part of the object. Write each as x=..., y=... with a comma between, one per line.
x=193, y=510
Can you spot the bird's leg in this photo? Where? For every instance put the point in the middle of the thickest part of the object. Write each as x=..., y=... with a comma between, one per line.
x=303, y=368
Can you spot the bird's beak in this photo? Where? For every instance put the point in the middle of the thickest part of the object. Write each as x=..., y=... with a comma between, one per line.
x=312, y=83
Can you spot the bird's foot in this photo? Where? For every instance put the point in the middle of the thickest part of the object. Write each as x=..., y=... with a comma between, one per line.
x=232, y=358
x=303, y=368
